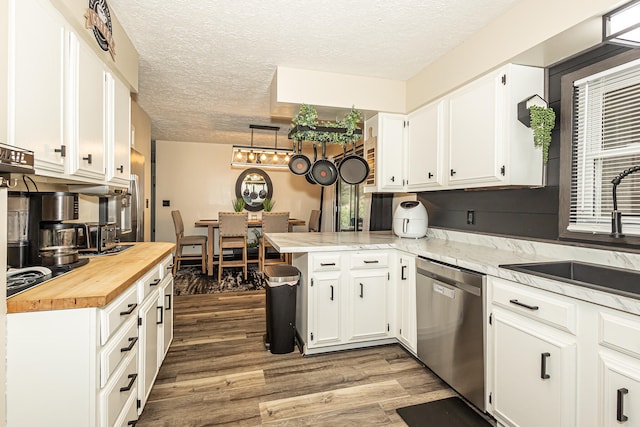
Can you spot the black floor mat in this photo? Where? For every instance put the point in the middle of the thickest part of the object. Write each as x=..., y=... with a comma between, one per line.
x=451, y=412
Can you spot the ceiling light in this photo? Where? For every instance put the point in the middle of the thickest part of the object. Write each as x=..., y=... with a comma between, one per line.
x=622, y=25
x=265, y=157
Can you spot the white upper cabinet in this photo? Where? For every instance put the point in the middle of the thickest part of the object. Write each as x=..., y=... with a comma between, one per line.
x=488, y=146
x=384, y=148
x=118, y=129
x=425, y=147
x=36, y=75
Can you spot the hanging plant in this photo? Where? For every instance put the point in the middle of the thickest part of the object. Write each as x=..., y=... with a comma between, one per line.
x=306, y=127
x=543, y=120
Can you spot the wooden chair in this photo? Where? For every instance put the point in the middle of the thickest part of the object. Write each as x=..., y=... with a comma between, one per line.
x=233, y=235
x=272, y=222
x=314, y=220
x=182, y=241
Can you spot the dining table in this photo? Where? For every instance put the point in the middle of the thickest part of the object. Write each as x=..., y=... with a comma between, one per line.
x=213, y=224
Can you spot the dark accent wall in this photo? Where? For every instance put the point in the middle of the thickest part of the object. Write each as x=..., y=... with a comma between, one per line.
x=528, y=212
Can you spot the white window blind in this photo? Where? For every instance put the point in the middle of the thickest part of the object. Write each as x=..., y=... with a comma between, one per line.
x=606, y=141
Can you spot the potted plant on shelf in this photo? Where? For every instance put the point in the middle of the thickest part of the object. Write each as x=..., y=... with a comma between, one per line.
x=543, y=120
x=238, y=205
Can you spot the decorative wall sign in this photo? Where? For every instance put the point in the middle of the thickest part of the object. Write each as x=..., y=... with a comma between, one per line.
x=98, y=19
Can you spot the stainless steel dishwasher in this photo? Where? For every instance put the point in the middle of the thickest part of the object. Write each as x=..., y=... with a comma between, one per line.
x=450, y=316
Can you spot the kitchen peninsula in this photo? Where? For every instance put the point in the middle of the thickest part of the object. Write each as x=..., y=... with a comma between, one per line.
x=84, y=348
x=359, y=289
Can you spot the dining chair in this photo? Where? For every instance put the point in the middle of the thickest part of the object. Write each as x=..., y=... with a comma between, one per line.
x=232, y=228
x=314, y=220
x=182, y=241
x=272, y=222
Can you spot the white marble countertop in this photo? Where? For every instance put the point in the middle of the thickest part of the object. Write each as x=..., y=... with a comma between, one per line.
x=476, y=252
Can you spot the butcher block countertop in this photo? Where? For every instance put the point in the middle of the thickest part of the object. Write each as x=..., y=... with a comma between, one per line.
x=95, y=284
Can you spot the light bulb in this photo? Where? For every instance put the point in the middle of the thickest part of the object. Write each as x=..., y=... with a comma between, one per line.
x=275, y=157
x=286, y=158
x=239, y=155
x=252, y=156
x=263, y=157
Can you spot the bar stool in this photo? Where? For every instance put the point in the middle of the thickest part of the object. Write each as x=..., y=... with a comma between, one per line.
x=314, y=220
x=232, y=228
x=182, y=241
x=272, y=222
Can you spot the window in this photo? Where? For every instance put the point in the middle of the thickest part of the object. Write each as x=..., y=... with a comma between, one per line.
x=600, y=141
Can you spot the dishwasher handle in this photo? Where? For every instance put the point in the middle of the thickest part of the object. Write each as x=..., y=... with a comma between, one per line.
x=456, y=276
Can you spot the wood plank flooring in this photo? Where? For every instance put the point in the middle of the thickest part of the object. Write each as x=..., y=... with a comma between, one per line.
x=217, y=372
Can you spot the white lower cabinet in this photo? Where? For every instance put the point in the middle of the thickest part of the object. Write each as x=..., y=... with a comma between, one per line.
x=535, y=372
x=87, y=367
x=368, y=304
x=326, y=309
x=406, y=302
x=165, y=325
x=590, y=353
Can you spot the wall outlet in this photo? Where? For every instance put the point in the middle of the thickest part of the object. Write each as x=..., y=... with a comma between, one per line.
x=471, y=217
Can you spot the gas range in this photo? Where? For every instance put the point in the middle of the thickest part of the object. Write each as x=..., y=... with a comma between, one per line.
x=22, y=279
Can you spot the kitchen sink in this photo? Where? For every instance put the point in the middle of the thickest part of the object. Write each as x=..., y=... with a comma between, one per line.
x=609, y=279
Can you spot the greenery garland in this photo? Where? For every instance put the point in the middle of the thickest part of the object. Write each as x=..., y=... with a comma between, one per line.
x=543, y=120
x=308, y=117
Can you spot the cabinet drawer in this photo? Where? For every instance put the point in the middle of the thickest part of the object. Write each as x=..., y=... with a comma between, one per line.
x=369, y=260
x=119, y=389
x=129, y=414
x=117, y=349
x=546, y=307
x=620, y=331
x=117, y=312
x=326, y=262
x=148, y=283
x=166, y=267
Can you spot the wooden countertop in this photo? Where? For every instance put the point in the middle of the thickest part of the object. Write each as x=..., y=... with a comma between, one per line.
x=95, y=284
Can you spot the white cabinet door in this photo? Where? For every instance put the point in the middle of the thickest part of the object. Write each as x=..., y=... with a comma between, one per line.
x=475, y=138
x=390, y=157
x=165, y=325
x=619, y=397
x=407, y=332
x=86, y=111
x=36, y=104
x=148, y=345
x=534, y=370
x=118, y=164
x=425, y=146
x=326, y=309
x=368, y=300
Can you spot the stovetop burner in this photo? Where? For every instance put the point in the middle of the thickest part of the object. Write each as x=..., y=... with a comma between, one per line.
x=21, y=279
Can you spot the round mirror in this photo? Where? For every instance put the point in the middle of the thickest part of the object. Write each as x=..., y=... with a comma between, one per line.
x=253, y=186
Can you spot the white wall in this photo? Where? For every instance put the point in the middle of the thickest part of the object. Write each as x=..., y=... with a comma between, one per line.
x=198, y=180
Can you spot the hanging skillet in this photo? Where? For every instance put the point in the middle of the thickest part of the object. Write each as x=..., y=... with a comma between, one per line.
x=307, y=175
x=253, y=194
x=299, y=164
x=353, y=168
x=323, y=171
x=245, y=193
x=262, y=194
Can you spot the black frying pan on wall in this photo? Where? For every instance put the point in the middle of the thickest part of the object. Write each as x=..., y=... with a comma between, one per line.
x=353, y=168
x=299, y=164
x=324, y=171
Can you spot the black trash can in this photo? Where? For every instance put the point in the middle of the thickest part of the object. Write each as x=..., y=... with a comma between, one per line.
x=282, y=285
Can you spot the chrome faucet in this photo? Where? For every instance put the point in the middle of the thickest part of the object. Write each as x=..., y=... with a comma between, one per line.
x=616, y=215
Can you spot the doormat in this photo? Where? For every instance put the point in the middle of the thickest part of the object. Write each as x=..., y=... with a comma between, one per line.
x=451, y=412
x=189, y=280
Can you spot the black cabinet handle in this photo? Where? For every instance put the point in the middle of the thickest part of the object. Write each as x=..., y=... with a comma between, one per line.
x=327, y=264
x=132, y=423
x=452, y=172
x=128, y=312
x=120, y=169
x=331, y=297
x=132, y=379
x=375, y=261
x=543, y=366
x=62, y=150
x=170, y=266
x=155, y=282
x=402, y=270
x=168, y=298
x=620, y=416
x=132, y=342
x=89, y=158
x=161, y=311
x=361, y=290
x=430, y=175
x=521, y=304
x=393, y=179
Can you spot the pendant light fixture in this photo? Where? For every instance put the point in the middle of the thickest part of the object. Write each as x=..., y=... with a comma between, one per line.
x=265, y=157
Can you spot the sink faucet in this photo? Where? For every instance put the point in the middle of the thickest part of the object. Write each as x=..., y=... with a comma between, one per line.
x=616, y=215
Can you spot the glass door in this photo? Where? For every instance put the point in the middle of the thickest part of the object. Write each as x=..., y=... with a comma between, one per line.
x=350, y=207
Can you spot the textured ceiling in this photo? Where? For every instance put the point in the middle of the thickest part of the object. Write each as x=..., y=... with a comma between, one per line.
x=206, y=66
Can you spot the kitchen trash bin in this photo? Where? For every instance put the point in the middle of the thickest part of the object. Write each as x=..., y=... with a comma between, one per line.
x=282, y=284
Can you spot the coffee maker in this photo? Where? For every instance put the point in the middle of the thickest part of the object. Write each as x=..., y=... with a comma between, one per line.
x=52, y=241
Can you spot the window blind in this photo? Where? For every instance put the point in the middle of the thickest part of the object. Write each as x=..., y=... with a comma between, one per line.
x=606, y=141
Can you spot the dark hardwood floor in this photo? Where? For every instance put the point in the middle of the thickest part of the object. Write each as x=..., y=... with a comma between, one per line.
x=217, y=372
